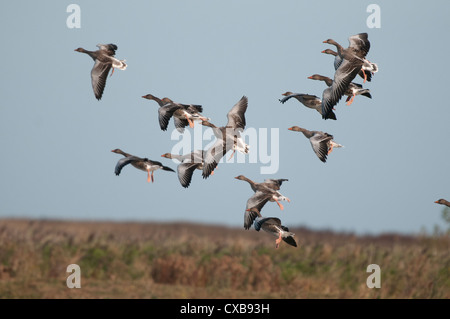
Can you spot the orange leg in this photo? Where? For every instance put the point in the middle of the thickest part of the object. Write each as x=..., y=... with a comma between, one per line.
x=365, y=76
x=212, y=172
x=279, y=204
x=191, y=123
x=112, y=72
x=148, y=176
x=278, y=241
x=330, y=150
x=232, y=154
x=351, y=100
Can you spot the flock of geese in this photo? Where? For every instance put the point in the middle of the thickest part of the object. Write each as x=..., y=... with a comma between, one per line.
x=348, y=63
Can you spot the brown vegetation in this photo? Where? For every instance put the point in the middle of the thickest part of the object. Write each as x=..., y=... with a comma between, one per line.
x=180, y=260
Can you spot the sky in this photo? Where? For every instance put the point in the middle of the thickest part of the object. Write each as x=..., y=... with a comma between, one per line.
x=56, y=138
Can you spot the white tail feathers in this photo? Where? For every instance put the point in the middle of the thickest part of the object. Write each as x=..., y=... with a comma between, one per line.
x=119, y=64
x=334, y=144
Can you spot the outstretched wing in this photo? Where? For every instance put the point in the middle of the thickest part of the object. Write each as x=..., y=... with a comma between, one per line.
x=274, y=183
x=319, y=144
x=111, y=48
x=236, y=116
x=180, y=124
x=99, y=74
x=360, y=44
x=258, y=200
x=343, y=76
x=185, y=172
x=268, y=224
x=213, y=156
x=123, y=162
x=165, y=113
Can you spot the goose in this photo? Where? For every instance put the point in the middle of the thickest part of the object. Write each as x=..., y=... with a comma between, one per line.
x=273, y=226
x=443, y=202
x=228, y=137
x=104, y=61
x=119, y=151
x=353, y=59
x=352, y=90
x=311, y=101
x=183, y=114
x=338, y=61
x=264, y=192
x=259, y=199
x=271, y=183
x=189, y=163
x=144, y=164
x=322, y=143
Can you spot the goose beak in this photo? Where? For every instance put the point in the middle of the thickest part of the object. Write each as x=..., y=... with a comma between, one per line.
x=322, y=51
x=437, y=202
x=309, y=77
x=290, y=129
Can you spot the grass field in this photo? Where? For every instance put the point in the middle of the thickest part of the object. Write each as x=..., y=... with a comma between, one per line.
x=180, y=260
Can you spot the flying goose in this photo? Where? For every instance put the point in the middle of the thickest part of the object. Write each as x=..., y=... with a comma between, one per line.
x=189, y=163
x=273, y=226
x=353, y=61
x=144, y=164
x=264, y=192
x=104, y=61
x=228, y=137
x=311, y=101
x=183, y=114
x=338, y=61
x=322, y=143
x=352, y=90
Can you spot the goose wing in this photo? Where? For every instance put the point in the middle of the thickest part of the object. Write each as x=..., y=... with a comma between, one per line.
x=180, y=124
x=185, y=172
x=257, y=200
x=165, y=113
x=360, y=44
x=236, y=116
x=319, y=143
x=125, y=161
x=274, y=183
x=111, y=48
x=213, y=156
x=343, y=76
x=269, y=224
x=99, y=74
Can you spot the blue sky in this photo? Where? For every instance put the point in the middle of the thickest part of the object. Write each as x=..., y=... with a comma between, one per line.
x=56, y=137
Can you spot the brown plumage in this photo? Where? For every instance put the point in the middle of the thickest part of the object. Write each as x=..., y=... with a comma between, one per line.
x=104, y=60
